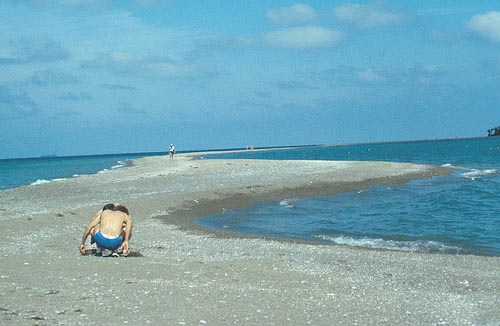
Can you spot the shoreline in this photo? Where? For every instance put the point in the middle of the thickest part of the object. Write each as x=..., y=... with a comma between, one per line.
x=184, y=217
x=187, y=276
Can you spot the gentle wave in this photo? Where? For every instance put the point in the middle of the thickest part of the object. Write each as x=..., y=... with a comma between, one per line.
x=40, y=182
x=119, y=165
x=287, y=202
x=471, y=173
x=44, y=181
x=454, y=167
x=413, y=246
x=477, y=173
x=456, y=211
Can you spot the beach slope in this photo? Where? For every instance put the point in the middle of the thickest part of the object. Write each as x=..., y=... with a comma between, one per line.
x=187, y=275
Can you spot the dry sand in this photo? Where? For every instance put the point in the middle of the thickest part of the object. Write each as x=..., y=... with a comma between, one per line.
x=188, y=276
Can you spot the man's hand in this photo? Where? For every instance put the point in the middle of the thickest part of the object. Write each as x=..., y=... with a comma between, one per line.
x=124, y=246
x=82, y=249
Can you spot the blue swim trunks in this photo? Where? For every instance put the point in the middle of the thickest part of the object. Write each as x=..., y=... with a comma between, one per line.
x=105, y=242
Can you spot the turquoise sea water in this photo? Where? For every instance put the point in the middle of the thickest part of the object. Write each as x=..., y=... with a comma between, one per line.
x=456, y=214
x=24, y=171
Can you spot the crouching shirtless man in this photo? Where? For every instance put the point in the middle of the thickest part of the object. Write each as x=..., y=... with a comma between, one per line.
x=111, y=229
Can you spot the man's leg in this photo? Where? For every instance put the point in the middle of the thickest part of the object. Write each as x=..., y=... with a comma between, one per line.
x=123, y=231
x=125, y=253
x=107, y=252
x=93, y=248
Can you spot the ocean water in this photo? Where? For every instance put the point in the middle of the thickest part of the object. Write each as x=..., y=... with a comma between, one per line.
x=456, y=214
x=25, y=171
x=20, y=172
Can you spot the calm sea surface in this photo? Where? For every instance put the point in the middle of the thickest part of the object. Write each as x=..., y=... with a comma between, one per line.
x=20, y=172
x=457, y=214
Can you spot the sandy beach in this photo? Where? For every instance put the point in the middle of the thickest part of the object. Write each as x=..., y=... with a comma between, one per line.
x=182, y=274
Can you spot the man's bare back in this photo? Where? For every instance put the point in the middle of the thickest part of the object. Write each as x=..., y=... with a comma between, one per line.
x=111, y=222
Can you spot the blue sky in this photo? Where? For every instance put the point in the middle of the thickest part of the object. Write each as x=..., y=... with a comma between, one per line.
x=102, y=76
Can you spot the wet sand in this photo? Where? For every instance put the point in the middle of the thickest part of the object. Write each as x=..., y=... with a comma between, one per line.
x=188, y=275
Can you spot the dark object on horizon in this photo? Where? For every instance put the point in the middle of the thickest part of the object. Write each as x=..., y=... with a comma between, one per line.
x=494, y=131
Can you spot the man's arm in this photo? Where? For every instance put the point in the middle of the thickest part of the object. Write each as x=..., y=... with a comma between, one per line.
x=128, y=229
x=95, y=220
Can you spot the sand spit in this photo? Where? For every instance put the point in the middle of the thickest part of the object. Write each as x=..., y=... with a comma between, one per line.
x=190, y=277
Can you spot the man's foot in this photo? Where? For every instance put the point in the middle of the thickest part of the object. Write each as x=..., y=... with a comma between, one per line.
x=90, y=249
x=115, y=254
x=106, y=252
x=92, y=246
x=123, y=253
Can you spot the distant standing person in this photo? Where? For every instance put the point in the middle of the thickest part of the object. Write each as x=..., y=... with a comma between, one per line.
x=171, y=151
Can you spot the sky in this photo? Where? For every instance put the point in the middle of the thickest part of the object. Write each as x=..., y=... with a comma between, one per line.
x=85, y=77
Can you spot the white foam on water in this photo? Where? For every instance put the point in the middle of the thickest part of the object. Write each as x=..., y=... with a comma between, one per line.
x=39, y=182
x=44, y=181
x=470, y=173
x=454, y=167
x=413, y=246
x=473, y=174
x=359, y=192
x=121, y=164
x=287, y=202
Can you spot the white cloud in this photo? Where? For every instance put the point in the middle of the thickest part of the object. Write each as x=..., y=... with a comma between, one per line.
x=304, y=37
x=119, y=87
x=25, y=51
x=226, y=43
x=382, y=76
x=486, y=25
x=15, y=105
x=52, y=77
x=96, y=4
x=445, y=37
x=128, y=63
x=128, y=109
x=90, y=4
x=368, y=75
x=296, y=14
x=75, y=97
x=369, y=16
x=75, y=2
x=153, y=3
x=429, y=68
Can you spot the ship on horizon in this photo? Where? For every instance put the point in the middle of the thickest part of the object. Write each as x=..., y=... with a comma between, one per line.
x=494, y=131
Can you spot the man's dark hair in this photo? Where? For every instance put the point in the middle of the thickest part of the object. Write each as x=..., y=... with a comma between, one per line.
x=121, y=208
x=109, y=206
